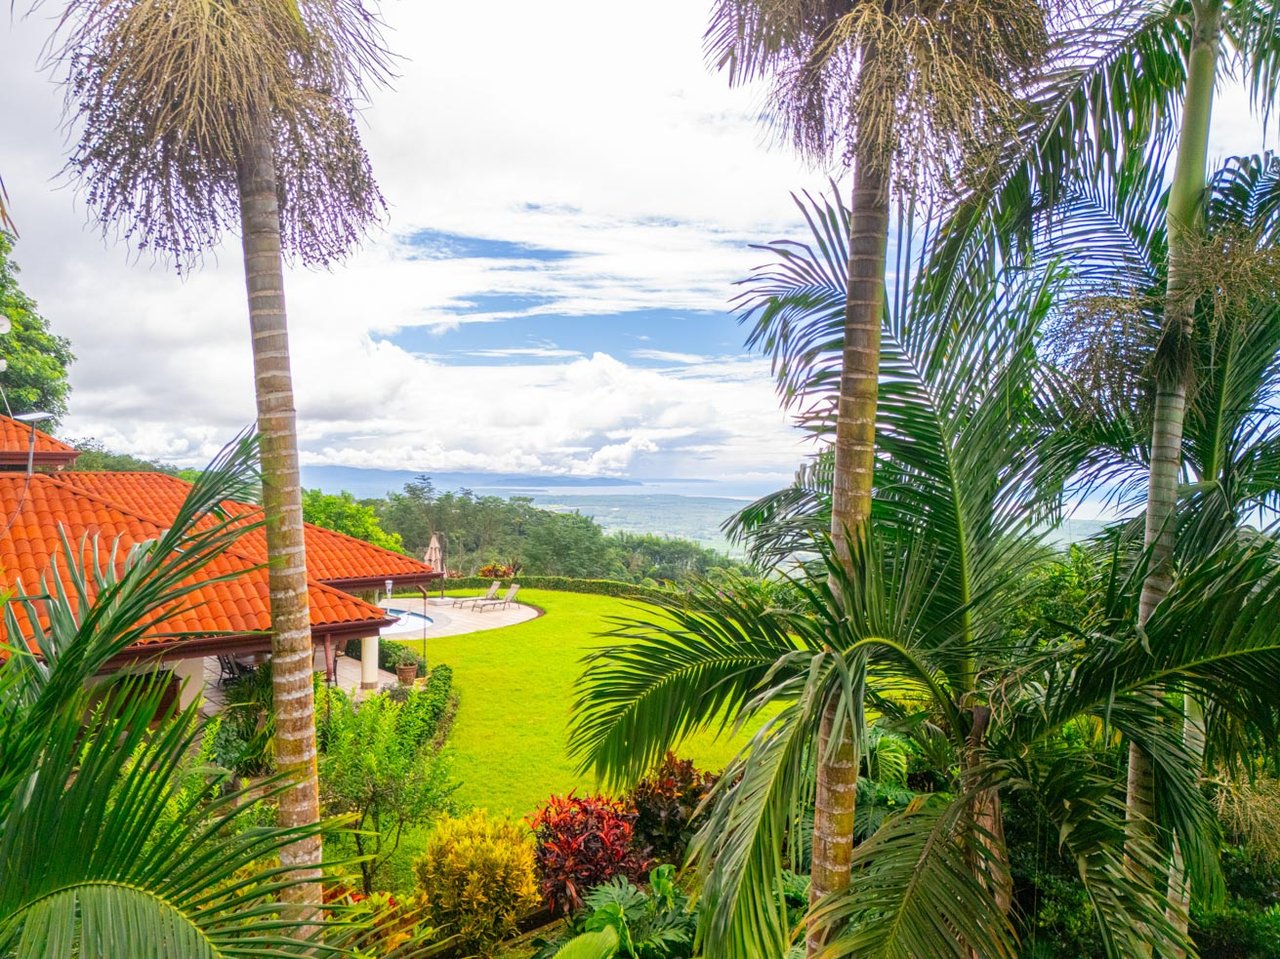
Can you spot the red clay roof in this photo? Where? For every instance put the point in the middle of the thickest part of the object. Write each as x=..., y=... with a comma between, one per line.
x=331, y=557
x=236, y=606
x=15, y=443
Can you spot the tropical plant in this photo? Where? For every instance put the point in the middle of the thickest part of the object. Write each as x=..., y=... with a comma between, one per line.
x=620, y=921
x=667, y=805
x=193, y=118
x=966, y=477
x=477, y=878
x=581, y=842
x=907, y=95
x=110, y=843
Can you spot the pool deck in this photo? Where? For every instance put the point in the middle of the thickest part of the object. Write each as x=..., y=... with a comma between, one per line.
x=450, y=620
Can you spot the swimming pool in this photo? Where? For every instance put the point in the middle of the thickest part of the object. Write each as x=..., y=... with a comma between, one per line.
x=410, y=624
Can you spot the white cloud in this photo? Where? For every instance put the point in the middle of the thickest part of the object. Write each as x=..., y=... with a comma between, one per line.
x=666, y=356
x=576, y=126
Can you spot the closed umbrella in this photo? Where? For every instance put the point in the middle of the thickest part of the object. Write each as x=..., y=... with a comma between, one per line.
x=434, y=556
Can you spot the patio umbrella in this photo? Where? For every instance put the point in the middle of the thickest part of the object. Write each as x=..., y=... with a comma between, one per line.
x=434, y=556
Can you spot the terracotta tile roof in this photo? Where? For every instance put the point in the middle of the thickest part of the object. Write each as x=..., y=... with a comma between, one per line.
x=15, y=442
x=331, y=557
x=239, y=605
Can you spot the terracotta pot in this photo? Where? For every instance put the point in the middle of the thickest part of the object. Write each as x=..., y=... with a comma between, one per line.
x=407, y=673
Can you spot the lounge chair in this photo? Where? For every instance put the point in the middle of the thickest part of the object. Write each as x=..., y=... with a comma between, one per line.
x=503, y=603
x=491, y=594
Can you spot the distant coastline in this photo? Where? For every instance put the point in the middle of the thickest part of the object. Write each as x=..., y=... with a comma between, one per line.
x=690, y=509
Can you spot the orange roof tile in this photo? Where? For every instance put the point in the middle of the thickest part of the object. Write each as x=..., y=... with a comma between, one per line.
x=331, y=557
x=38, y=516
x=15, y=444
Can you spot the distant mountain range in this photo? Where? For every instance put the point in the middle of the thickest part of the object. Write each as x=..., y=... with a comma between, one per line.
x=362, y=483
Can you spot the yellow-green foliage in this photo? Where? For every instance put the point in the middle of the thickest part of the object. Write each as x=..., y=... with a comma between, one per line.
x=477, y=878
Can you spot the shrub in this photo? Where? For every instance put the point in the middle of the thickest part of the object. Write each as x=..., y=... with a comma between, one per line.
x=583, y=841
x=369, y=767
x=241, y=736
x=477, y=879
x=424, y=707
x=665, y=805
x=390, y=655
x=1238, y=931
x=392, y=922
x=493, y=571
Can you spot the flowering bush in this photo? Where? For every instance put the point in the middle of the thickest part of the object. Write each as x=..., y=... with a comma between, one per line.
x=477, y=879
x=392, y=922
x=494, y=571
x=582, y=841
x=665, y=806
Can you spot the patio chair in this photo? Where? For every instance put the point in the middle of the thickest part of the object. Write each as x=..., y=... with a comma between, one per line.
x=503, y=603
x=491, y=594
x=230, y=669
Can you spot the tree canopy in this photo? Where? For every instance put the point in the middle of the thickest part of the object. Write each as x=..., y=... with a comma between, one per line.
x=343, y=513
x=35, y=377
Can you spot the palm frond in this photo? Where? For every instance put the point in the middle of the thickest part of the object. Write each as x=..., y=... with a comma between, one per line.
x=690, y=667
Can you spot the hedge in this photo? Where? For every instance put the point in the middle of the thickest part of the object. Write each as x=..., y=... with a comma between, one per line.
x=390, y=655
x=565, y=584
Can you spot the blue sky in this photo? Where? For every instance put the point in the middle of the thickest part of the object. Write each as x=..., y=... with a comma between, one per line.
x=570, y=201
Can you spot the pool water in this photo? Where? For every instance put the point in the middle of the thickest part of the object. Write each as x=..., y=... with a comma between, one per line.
x=410, y=624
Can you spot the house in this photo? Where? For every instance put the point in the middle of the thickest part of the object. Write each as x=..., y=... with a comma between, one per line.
x=229, y=617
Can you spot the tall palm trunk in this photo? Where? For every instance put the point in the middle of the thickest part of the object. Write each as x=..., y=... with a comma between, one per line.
x=1183, y=216
x=291, y=651
x=836, y=796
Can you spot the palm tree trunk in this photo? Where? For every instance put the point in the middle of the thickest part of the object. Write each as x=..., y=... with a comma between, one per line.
x=1186, y=192
x=291, y=650
x=860, y=362
x=837, y=786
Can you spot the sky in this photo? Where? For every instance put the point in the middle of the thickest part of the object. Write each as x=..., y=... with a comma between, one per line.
x=571, y=196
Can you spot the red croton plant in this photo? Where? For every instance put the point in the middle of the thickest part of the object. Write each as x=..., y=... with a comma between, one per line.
x=583, y=841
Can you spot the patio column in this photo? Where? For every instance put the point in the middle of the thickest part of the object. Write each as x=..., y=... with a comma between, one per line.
x=190, y=675
x=369, y=662
x=330, y=667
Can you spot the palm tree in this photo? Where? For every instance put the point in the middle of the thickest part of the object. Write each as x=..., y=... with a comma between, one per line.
x=1117, y=94
x=1122, y=253
x=905, y=93
x=938, y=442
x=111, y=844
x=919, y=634
x=1109, y=234
x=192, y=116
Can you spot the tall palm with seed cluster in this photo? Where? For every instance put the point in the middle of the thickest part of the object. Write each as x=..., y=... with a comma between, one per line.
x=1139, y=78
x=906, y=94
x=193, y=119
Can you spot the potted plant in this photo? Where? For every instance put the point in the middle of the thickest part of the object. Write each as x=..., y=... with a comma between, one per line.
x=406, y=672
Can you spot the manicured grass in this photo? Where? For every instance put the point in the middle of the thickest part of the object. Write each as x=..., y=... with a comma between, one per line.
x=515, y=690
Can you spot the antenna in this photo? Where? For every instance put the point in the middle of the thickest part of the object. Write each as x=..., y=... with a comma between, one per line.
x=30, y=419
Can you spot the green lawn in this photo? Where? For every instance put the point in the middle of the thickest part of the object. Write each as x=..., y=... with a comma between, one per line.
x=515, y=688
